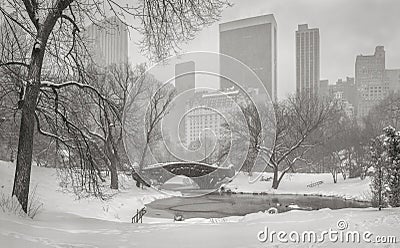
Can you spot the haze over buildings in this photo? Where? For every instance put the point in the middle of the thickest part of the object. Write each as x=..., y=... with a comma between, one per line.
x=392, y=77
x=253, y=41
x=344, y=91
x=185, y=78
x=371, y=84
x=345, y=32
x=370, y=80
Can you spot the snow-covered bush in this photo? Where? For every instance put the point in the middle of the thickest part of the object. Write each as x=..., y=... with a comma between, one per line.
x=272, y=210
x=10, y=204
x=224, y=189
x=178, y=217
x=385, y=157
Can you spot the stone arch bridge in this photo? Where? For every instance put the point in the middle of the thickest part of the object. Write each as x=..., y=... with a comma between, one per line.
x=205, y=175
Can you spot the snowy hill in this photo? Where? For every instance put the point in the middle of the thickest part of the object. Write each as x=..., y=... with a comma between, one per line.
x=354, y=188
x=121, y=207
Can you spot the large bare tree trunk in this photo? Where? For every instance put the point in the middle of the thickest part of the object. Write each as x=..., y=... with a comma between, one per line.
x=135, y=174
x=113, y=157
x=275, y=180
x=114, y=178
x=25, y=143
x=114, y=172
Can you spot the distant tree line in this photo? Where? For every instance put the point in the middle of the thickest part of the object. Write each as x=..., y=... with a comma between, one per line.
x=315, y=134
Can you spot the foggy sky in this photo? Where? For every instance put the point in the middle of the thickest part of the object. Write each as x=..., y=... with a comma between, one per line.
x=347, y=28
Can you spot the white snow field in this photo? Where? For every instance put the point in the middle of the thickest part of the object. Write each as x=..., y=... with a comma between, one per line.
x=297, y=184
x=67, y=222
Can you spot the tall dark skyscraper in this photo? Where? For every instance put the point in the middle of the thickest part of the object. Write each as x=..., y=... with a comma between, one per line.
x=253, y=41
x=307, y=59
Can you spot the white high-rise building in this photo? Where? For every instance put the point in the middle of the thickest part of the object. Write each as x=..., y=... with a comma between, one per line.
x=108, y=41
x=370, y=80
x=202, y=119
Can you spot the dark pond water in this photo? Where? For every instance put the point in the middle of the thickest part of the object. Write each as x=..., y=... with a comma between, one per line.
x=217, y=206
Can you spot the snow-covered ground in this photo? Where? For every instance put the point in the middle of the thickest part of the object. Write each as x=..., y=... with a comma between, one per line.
x=121, y=207
x=68, y=230
x=297, y=184
x=66, y=222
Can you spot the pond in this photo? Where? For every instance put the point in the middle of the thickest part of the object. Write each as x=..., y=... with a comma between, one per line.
x=218, y=206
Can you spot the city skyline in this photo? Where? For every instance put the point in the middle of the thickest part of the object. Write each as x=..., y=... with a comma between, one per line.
x=362, y=26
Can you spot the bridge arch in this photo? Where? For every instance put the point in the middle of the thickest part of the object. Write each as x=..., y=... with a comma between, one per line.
x=206, y=176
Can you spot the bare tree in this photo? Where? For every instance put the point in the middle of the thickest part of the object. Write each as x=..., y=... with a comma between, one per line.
x=350, y=146
x=8, y=115
x=166, y=24
x=123, y=86
x=247, y=130
x=161, y=97
x=331, y=151
x=297, y=121
x=53, y=34
x=386, y=113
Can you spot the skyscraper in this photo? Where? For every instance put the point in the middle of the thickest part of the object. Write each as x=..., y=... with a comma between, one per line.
x=323, y=88
x=185, y=78
x=344, y=91
x=253, y=41
x=185, y=83
x=108, y=41
x=370, y=80
x=307, y=59
x=392, y=77
x=200, y=117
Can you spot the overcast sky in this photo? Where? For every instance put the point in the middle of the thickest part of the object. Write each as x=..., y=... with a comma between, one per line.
x=347, y=28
